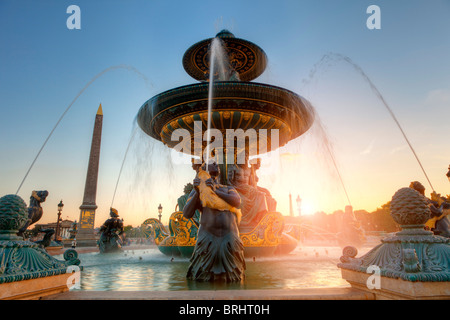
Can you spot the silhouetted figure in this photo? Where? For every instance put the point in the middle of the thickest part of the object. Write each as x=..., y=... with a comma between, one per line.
x=111, y=231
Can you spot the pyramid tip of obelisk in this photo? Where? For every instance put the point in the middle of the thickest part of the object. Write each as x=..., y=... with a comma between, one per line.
x=100, y=111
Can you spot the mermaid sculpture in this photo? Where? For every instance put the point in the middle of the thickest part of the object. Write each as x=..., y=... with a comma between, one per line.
x=111, y=232
x=219, y=251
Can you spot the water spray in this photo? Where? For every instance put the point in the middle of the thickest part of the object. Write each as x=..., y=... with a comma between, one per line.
x=377, y=93
x=70, y=105
x=214, y=44
x=123, y=162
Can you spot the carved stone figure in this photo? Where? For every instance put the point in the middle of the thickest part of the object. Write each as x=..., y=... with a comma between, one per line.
x=219, y=252
x=35, y=210
x=111, y=233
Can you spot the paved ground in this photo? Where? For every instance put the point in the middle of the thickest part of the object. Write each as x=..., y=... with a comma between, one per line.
x=286, y=294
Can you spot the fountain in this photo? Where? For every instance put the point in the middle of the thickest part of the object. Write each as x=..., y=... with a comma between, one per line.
x=227, y=100
x=257, y=118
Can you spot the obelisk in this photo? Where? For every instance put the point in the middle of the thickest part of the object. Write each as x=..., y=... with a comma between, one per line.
x=85, y=236
x=291, y=210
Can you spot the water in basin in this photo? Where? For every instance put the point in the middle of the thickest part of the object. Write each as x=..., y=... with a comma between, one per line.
x=150, y=270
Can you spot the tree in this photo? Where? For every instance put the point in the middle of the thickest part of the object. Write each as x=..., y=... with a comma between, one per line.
x=383, y=220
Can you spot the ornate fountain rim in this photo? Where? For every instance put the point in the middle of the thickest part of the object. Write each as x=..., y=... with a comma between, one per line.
x=293, y=112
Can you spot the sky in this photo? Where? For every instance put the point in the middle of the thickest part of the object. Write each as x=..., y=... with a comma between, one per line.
x=125, y=52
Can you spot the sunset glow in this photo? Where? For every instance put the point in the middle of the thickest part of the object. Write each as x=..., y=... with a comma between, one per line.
x=354, y=153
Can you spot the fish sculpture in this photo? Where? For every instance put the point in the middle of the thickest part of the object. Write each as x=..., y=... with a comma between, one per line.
x=211, y=200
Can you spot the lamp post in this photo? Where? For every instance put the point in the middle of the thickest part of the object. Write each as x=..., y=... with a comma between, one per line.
x=299, y=205
x=448, y=173
x=160, y=212
x=60, y=207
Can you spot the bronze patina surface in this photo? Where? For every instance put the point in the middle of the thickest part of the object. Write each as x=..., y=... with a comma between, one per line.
x=236, y=105
x=245, y=57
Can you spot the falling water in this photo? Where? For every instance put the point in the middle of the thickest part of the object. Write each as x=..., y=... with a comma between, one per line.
x=123, y=162
x=327, y=147
x=146, y=174
x=333, y=159
x=210, y=97
x=70, y=105
x=328, y=58
x=217, y=61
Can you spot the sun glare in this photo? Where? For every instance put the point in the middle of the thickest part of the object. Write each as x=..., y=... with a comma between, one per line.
x=307, y=208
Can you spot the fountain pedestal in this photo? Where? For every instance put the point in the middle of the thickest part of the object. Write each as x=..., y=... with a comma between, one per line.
x=27, y=271
x=412, y=264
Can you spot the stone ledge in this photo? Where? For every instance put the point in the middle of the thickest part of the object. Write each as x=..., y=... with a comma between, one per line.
x=398, y=289
x=278, y=294
x=34, y=289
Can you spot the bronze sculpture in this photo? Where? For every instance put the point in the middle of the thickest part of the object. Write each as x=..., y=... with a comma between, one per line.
x=46, y=241
x=252, y=118
x=111, y=233
x=35, y=210
x=219, y=252
x=439, y=207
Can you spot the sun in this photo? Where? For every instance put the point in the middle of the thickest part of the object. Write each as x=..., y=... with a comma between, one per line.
x=307, y=208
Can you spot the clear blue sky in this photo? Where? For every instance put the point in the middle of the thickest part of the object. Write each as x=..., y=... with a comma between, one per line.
x=44, y=65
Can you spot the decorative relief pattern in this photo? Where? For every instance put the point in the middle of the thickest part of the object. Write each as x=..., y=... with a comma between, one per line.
x=20, y=259
x=412, y=254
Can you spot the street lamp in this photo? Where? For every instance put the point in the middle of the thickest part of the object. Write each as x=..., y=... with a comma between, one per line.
x=159, y=212
x=448, y=173
x=299, y=205
x=60, y=207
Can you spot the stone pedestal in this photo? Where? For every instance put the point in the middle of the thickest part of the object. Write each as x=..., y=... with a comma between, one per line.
x=87, y=240
x=398, y=289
